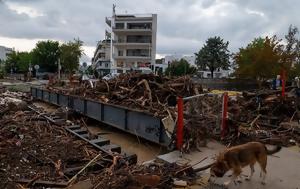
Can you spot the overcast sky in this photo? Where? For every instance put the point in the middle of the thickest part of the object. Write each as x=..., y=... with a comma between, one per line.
x=183, y=25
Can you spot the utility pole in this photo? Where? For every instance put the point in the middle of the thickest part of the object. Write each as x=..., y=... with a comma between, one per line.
x=59, y=68
x=111, y=39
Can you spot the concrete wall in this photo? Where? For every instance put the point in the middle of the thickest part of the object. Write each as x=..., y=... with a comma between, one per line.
x=227, y=84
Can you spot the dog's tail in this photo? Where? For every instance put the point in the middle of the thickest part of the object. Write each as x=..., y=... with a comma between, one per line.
x=273, y=151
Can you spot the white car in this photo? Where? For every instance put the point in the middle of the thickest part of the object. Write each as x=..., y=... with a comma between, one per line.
x=110, y=76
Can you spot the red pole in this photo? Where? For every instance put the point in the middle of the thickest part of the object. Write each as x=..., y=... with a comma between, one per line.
x=283, y=83
x=224, y=115
x=179, y=133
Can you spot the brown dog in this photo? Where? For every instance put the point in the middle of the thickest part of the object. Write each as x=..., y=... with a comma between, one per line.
x=237, y=157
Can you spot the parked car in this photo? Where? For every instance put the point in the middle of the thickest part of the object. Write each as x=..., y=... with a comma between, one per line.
x=110, y=76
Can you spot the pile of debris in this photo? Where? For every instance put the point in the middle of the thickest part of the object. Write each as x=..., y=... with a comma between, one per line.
x=153, y=175
x=265, y=116
x=37, y=153
x=202, y=118
x=257, y=116
x=261, y=115
x=146, y=92
x=12, y=101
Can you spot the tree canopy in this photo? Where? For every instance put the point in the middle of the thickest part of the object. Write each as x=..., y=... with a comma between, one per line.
x=291, y=53
x=179, y=68
x=70, y=54
x=260, y=59
x=213, y=55
x=264, y=58
x=46, y=55
x=18, y=62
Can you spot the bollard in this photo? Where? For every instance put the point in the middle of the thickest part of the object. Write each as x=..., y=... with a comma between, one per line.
x=224, y=127
x=179, y=134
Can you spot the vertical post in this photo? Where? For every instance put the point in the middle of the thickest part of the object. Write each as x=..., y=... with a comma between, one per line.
x=179, y=133
x=59, y=68
x=283, y=83
x=112, y=25
x=224, y=115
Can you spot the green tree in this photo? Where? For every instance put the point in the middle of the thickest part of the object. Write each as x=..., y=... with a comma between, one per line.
x=291, y=54
x=260, y=60
x=24, y=61
x=70, y=54
x=11, y=62
x=179, y=68
x=213, y=55
x=19, y=62
x=46, y=55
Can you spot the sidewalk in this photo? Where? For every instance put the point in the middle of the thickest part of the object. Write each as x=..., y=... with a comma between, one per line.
x=283, y=168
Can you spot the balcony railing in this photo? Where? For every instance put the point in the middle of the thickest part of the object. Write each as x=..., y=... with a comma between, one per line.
x=108, y=20
x=141, y=56
x=133, y=40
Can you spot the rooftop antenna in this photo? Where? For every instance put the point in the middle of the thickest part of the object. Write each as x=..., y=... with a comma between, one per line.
x=114, y=9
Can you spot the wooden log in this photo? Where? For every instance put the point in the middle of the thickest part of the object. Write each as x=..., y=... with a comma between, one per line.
x=43, y=183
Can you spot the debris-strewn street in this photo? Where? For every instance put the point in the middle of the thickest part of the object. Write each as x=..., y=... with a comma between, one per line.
x=258, y=115
x=56, y=148
x=149, y=94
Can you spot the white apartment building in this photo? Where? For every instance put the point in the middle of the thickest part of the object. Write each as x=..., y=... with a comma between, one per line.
x=4, y=52
x=133, y=41
x=101, y=60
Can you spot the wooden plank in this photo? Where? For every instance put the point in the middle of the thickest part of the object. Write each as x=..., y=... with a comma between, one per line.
x=43, y=183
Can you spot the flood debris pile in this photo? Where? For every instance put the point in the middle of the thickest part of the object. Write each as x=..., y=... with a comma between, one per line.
x=265, y=116
x=202, y=118
x=262, y=116
x=153, y=175
x=34, y=153
x=145, y=92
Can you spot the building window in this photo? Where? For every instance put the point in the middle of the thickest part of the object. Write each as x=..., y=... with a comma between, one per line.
x=139, y=25
x=106, y=65
x=120, y=53
x=139, y=39
x=119, y=25
x=138, y=52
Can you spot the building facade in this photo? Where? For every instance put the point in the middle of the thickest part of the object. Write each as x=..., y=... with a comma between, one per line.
x=133, y=42
x=101, y=60
x=4, y=52
x=219, y=73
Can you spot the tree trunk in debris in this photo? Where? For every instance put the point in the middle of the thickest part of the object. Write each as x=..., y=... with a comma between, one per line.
x=212, y=73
